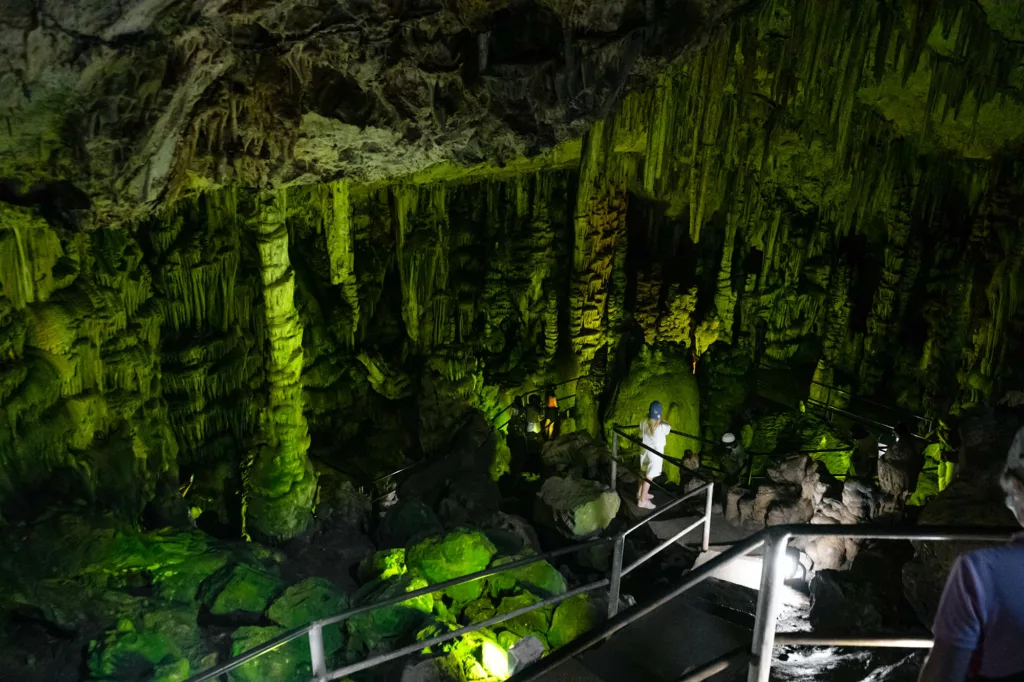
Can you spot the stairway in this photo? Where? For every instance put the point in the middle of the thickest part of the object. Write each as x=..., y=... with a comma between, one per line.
x=685, y=634
x=659, y=648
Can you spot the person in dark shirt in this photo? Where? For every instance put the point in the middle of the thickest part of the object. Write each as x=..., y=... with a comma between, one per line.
x=980, y=623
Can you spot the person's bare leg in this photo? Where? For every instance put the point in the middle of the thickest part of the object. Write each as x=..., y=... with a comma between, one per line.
x=645, y=491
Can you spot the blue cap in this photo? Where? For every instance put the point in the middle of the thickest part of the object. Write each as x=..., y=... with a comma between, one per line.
x=655, y=412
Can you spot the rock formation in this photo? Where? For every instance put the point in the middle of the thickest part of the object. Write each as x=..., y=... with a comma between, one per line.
x=238, y=239
x=800, y=490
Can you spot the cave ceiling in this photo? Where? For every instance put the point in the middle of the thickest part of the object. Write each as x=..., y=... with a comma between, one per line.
x=120, y=108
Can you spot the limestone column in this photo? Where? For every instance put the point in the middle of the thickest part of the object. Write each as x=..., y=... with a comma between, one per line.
x=279, y=483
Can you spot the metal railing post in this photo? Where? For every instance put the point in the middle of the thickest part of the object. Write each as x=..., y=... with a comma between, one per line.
x=316, y=653
x=768, y=600
x=616, y=580
x=615, y=456
x=707, y=518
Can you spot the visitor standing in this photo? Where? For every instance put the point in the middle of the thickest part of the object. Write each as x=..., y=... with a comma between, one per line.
x=980, y=623
x=551, y=416
x=534, y=414
x=655, y=435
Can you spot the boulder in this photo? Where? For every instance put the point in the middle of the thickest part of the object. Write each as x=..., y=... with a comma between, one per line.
x=476, y=656
x=287, y=663
x=803, y=491
x=151, y=653
x=858, y=504
x=471, y=497
x=667, y=377
x=387, y=563
x=423, y=671
x=240, y=591
x=866, y=594
x=406, y=522
x=367, y=630
x=576, y=454
x=539, y=578
x=572, y=618
x=577, y=507
x=311, y=600
x=512, y=534
x=456, y=554
x=535, y=623
x=767, y=505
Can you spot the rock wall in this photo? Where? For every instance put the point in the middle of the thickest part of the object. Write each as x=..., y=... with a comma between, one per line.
x=830, y=184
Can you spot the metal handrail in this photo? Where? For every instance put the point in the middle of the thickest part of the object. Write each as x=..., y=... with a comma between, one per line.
x=775, y=540
x=494, y=419
x=673, y=432
x=618, y=430
x=314, y=630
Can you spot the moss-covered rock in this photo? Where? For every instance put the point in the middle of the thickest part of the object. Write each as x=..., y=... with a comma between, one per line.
x=572, y=618
x=459, y=553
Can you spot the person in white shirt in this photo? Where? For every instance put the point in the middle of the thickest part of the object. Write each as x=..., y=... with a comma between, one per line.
x=655, y=433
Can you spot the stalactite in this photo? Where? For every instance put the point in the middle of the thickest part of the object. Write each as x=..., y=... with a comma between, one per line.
x=341, y=250
x=885, y=306
x=29, y=249
x=599, y=222
x=422, y=218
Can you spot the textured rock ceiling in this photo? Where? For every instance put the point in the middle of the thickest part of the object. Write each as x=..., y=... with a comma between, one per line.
x=120, y=107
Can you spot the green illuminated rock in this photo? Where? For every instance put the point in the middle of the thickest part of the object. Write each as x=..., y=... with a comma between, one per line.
x=539, y=578
x=288, y=663
x=577, y=507
x=246, y=591
x=458, y=553
x=368, y=630
x=387, y=563
x=130, y=656
x=534, y=623
x=572, y=618
x=308, y=601
x=280, y=482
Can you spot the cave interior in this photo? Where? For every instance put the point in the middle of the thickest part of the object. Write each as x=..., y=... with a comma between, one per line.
x=258, y=255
